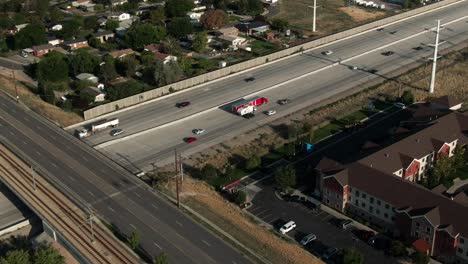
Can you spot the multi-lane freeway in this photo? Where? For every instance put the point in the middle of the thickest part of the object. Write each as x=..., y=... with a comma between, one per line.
x=305, y=79
x=113, y=193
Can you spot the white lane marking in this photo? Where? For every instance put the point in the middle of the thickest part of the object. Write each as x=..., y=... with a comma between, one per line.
x=133, y=226
x=84, y=158
x=155, y=206
x=92, y=194
x=24, y=143
x=71, y=178
x=37, y=152
x=179, y=223
x=55, y=165
x=158, y=246
x=110, y=208
x=137, y=194
x=208, y=244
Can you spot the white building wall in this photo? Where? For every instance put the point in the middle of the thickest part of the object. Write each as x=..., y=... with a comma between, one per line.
x=462, y=248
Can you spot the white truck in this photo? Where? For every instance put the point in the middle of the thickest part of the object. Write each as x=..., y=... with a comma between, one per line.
x=99, y=125
x=246, y=110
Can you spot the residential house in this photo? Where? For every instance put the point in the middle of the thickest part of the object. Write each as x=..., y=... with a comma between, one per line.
x=104, y=36
x=56, y=27
x=234, y=42
x=120, y=32
x=254, y=27
x=42, y=49
x=75, y=43
x=77, y=3
x=121, y=16
x=87, y=77
x=119, y=54
x=118, y=2
x=17, y=28
x=195, y=16
x=159, y=55
x=153, y=47
x=199, y=8
x=233, y=31
x=52, y=40
x=380, y=188
x=97, y=93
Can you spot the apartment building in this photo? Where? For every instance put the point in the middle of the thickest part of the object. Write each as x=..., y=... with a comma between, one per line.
x=381, y=189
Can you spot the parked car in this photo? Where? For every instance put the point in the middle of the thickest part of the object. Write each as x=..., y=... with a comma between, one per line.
x=249, y=79
x=307, y=239
x=330, y=253
x=373, y=71
x=182, y=104
x=328, y=52
x=287, y=227
x=198, y=131
x=283, y=101
x=400, y=105
x=345, y=223
x=380, y=242
x=388, y=53
x=190, y=139
x=364, y=235
x=116, y=132
x=270, y=112
x=311, y=206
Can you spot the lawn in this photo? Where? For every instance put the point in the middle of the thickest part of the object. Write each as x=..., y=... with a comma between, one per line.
x=326, y=131
x=262, y=47
x=222, y=180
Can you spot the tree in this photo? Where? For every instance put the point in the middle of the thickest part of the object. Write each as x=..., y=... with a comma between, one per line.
x=157, y=16
x=107, y=69
x=458, y=158
x=178, y=8
x=53, y=67
x=71, y=27
x=55, y=15
x=253, y=162
x=200, y=41
x=209, y=172
x=249, y=7
x=143, y=34
x=280, y=24
x=127, y=66
x=83, y=62
x=32, y=34
x=134, y=239
x=214, y=19
x=124, y=89
x=420, y=258
x=147, y=58
x=166, y=74
x=171, y=46
x=443, y=167
x=397, y=249
x=239, y=197
x=285, y=177
x=47, y=255
x=407, y=98
x=220, y=4
x=112, y=24
x=17, y=256
x=292, y=131
x=351, y=256
x=91, y=22
x=180, y=27
x=161, y=259
x=185, y=64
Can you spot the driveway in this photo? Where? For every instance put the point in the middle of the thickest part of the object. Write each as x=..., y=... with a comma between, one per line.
x=268, y=207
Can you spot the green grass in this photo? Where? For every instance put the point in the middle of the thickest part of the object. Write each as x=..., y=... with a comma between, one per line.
x=326, y=131
x=225, y=179
x=234, y=18
x=262, y=47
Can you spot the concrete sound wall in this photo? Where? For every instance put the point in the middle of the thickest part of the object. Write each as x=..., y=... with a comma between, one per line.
x=210, y=76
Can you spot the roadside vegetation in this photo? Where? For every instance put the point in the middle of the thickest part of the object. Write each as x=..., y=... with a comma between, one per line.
x=20, y=250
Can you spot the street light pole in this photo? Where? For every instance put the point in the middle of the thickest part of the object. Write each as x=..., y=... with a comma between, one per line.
x=434, y=60
x=315, y=15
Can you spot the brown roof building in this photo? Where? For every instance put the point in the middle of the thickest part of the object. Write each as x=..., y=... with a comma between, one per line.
x=381, y=188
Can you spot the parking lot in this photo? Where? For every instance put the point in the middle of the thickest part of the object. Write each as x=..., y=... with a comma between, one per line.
x=267, y=206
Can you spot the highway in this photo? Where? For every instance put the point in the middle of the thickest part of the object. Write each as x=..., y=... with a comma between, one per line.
x=305, y=79
x=116, y=195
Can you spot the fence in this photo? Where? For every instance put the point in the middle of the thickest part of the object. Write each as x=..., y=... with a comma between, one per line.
x=213, y=75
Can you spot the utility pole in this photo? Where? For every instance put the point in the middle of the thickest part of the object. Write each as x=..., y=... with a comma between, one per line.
x=177, y=167
x=34, y=177
x=315, y=14
x=434, y=59
x=16, y=88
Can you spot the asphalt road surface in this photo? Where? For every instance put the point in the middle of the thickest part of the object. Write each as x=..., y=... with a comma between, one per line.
x=304, y=79
x=115, y=194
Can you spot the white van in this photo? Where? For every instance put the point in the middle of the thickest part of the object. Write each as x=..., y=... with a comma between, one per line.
x=287, y=227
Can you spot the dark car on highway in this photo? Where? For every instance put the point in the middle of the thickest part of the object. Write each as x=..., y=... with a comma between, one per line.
x=388, y=53
x=183, y=104
x=249, y=79
x=190, y=139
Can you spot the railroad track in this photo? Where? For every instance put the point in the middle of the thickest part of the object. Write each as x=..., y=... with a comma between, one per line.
x=63, y=214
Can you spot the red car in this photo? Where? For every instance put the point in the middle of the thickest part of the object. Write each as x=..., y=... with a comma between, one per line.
x=182, y=104
x=190, y=139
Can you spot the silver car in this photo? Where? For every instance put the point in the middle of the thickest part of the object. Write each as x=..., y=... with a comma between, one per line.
x=198, y=131
x=116, y=132
x=307, y=239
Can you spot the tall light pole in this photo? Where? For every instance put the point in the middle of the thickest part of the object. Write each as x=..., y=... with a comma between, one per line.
x=315, y=14
x=434, y=59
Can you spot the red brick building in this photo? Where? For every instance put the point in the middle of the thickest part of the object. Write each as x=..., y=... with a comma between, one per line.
x=75, y=43
x=42, y=49
x=381, y=189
